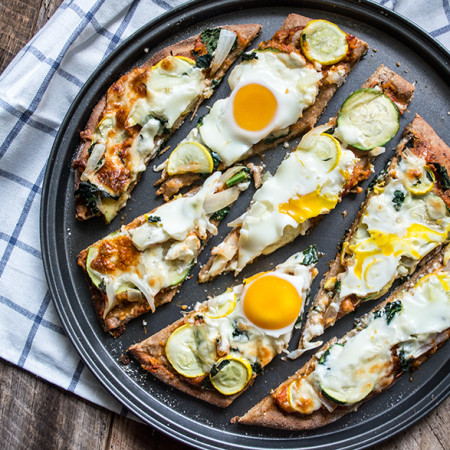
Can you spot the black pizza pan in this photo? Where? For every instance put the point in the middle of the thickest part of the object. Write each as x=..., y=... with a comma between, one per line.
x=394, y=42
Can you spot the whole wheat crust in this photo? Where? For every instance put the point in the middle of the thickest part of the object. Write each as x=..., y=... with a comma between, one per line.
x=393, y=85
x=290, y=31
x=267, y=414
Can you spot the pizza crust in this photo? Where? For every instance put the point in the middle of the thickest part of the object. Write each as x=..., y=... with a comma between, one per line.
x=267, y=414
x=399, y=90
x=246, y=33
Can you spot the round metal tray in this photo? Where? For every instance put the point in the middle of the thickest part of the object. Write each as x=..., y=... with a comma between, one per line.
x=401, y=46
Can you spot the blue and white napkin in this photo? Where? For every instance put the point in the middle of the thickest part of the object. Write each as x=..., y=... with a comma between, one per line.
x=36, y=90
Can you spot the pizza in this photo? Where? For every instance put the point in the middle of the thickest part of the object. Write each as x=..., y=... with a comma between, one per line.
x=130, y=124
x=328, y=163
x=278, y=92
x=404, y=219
x=397, y=335
x=142, y=265
x=215, y=351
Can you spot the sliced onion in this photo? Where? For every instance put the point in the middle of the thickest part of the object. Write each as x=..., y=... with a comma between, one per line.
x=145, y=289
x=96, y=156
x=110, y=298
x=224, y=44
x=216, y=202
x=331, y=406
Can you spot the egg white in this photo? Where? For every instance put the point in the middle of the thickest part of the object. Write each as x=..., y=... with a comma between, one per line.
x=294, y=85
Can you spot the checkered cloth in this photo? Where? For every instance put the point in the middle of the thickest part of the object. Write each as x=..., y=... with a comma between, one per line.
x=36, y=90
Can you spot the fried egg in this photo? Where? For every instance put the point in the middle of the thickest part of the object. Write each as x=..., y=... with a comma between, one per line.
x=272, y=302
x=300, y=190
x=269, y=93
x=396, y=231
x=255, y=320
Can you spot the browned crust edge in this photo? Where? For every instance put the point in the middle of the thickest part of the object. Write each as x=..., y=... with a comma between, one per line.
x=111, y=323
x=266, y=413
x=151, y=355
x=247, y=32
x=400, y=90
x=434, y=149
x=171, y=185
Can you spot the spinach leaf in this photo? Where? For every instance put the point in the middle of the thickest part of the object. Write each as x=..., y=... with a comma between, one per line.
x=391, y=309
x=217, y=160
x=256, y=368
x=210, y=38
x=221, y=214
x=405, y=364
x=237, y=333
x=90, y=194
x=216, y=369
x=337, y=287
x=203, y=61
x=399, y=198
x=153, y=219
x=249, y=56
x=445, y=180
x=310, y=256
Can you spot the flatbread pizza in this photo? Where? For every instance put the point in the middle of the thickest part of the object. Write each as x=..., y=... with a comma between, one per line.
x=328, y=163
x=404, y=218
x=278, y=92
x=215, y=351
x=397, y=335
x=142, y=109
x=143, y=264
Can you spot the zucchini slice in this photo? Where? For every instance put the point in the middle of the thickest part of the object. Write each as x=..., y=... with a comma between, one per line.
x=368, y=119
x=230, y=375
x=324, y=42
x=181, y=352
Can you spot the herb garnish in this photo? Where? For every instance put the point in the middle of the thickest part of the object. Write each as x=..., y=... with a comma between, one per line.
x=399, y=198
x=310, y=256
x=153, y=219
x=221, y=214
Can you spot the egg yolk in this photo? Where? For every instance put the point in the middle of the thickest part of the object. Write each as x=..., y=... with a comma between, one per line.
x=272, y=303
x=254, y=107
x=306, y=206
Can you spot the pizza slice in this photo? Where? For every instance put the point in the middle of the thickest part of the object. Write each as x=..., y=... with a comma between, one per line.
x=399, y=334
x=142, y=109
x=277, y=93
x=215, y=351
x=329, y=161
x=405, y=217
x=142, y=265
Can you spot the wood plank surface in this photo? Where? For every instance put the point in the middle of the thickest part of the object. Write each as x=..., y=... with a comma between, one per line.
x=37, y=415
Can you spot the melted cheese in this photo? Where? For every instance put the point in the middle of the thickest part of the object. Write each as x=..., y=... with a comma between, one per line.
x=300, y=190
x=142, y=106
x=393, y=235
x=354, y=368
x=157, y=254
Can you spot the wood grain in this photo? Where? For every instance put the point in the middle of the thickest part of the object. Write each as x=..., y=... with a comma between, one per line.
x=35, y=414
x=18, y=19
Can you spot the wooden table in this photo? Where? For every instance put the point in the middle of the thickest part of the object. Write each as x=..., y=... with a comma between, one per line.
x=37, y=415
